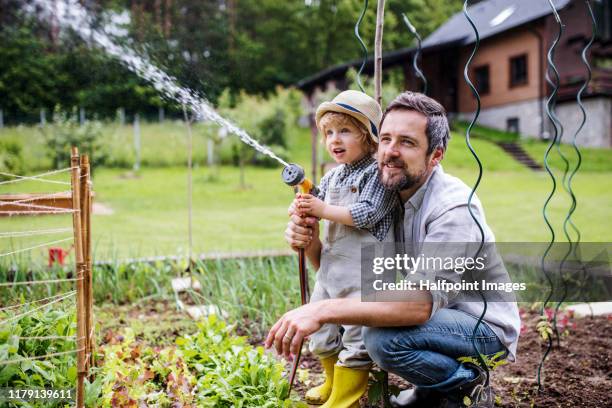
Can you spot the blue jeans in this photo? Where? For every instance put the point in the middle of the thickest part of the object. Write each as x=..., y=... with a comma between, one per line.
x=426, y=355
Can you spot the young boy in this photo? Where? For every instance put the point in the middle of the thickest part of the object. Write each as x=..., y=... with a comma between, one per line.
x=356, y=209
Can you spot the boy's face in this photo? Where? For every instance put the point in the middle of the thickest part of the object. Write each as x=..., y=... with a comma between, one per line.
x=342, y=142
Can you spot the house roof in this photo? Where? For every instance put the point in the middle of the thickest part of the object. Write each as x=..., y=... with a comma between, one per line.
x=490, y=17
x=388, y=58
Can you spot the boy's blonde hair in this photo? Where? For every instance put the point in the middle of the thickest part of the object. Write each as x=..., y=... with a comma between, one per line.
x=340, y=119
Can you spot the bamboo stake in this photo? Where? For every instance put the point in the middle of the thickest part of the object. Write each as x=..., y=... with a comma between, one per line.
x=80, y=267
x=380, y=19
x=86, y=225
x=189, y=190
x=313, y=135
x=84, y=232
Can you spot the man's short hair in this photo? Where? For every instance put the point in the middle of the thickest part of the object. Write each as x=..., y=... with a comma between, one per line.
x=437, y=130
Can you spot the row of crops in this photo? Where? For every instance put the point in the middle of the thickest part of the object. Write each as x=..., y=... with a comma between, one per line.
x=207, y=365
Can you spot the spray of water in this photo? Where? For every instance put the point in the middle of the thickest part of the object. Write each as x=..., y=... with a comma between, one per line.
x=71, y=14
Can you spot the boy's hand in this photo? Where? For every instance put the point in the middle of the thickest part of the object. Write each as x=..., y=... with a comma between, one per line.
x=311, y=205
x=294, y=207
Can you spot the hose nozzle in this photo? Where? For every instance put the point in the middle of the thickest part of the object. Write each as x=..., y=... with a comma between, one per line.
x=294, y=176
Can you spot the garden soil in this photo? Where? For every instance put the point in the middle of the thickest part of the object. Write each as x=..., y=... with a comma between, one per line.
x=578, y=373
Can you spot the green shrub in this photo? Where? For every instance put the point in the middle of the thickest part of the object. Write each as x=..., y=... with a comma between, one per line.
x=11, y=157
x=58, y=371
x=65, y=131
x=274, y=115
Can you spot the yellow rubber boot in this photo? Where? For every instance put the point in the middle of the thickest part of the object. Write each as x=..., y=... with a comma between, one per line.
x=349, y=385
x=318, y=395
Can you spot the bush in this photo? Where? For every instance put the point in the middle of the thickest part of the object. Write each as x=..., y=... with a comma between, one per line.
x=272, y=129
x=11, y=157
x=57, y=371
x=65, y=131
x=275, y=114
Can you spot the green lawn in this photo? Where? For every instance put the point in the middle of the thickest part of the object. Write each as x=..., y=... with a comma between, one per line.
x=150, y=211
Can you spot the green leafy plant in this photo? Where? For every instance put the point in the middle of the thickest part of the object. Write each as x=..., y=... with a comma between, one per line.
x=493, y=361
x=11, y=157
x=210, y=368
x=377, y=389
x=65, y=131
x=276, y=113
x=545, y=328
x=21, y=342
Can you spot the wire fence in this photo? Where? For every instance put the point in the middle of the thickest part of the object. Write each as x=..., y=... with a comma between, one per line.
x=77, y=203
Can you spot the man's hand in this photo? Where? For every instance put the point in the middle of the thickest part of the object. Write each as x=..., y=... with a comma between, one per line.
x=290, y=330
x=311, y=205
x=300, y=231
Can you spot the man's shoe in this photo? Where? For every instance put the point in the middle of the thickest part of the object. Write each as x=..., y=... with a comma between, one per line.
x=349, y=385
x=319, y=395
x=474, y=394
x=415, y=398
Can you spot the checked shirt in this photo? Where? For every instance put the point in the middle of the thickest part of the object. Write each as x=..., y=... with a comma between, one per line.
x=374, y=209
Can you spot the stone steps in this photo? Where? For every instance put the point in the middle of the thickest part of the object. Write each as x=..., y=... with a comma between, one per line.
x=519, y=154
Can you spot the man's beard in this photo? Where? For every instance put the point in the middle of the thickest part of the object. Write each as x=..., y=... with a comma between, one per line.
x=404, y=181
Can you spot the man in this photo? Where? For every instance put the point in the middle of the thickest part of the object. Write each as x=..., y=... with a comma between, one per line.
x=420, y=338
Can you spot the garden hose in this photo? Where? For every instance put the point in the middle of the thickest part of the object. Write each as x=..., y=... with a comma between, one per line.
x=417, y=54
x=549, y=107
x=294, y=176
x=364, y=49
x=477, y=183
x=568, y=220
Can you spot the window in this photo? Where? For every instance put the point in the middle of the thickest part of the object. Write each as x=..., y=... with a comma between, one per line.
x=518, y=70
x=481, y=75
x=512, y=125
x=603, y=15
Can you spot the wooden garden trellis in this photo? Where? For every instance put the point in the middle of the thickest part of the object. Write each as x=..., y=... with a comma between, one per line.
x=78, y=202
x=81, y=220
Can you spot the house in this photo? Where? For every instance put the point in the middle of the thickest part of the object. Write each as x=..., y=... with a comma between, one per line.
x=509, y=69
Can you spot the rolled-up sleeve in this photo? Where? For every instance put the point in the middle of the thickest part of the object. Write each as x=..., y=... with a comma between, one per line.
x=323, y=185
x=374, y=203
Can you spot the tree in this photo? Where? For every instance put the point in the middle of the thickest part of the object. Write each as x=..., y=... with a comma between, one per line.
x=29, y=78
x=208, y=45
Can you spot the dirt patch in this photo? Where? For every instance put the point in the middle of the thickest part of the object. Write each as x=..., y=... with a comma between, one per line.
x=156, y=323
x=577, y=373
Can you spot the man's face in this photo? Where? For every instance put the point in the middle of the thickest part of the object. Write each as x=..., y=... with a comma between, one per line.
x=403, y=161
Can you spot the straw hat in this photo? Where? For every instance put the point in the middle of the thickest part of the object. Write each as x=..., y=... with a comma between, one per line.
x=356, y=104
